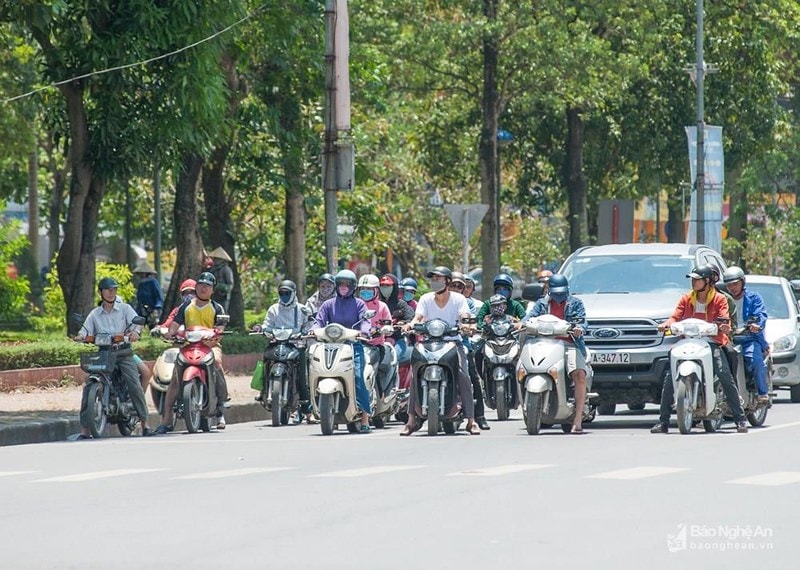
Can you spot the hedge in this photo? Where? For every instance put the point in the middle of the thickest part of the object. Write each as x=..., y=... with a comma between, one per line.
x=45, y=354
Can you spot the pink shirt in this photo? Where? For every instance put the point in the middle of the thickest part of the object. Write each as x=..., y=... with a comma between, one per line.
x=382, y=313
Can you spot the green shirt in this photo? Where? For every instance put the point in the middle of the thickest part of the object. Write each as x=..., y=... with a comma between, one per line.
x=513, y=309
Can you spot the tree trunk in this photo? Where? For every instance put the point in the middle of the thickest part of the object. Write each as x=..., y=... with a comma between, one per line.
x=490, y=193
x=575, y=181
x=56, y=203
x=188, y=242
x=737, y=222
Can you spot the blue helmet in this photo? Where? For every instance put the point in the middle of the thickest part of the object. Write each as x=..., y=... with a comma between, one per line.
x=503, y=280
x=408, y=283
x=558, y=283
x=107, y=283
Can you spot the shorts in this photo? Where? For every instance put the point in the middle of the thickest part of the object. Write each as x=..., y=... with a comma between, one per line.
x=576, y=361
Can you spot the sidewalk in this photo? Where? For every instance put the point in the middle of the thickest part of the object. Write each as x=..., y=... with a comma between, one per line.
x=51, y=414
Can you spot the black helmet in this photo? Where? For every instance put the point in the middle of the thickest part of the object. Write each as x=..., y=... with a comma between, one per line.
x=287, y=286
x=107, y=283
x=442, y=271
x=503, y=280
x=326, y=277
x=558, y=283
x=207, y=278
x=346, y=277
x=457, y=276
x=699, y=272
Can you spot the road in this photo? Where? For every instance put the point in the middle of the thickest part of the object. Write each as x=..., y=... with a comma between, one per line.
x=254, y=496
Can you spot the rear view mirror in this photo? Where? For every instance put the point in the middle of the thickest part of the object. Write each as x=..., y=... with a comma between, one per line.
x=139, y=320
x=222, y=320
x=369, y=314
x=533, y=291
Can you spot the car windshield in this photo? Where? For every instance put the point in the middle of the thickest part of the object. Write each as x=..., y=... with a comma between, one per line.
x=774, y=299
x=628, y=274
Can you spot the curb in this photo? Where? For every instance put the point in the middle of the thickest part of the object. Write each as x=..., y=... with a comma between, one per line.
x=59, y=426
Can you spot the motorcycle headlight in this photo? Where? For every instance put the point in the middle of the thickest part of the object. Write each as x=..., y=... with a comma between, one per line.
x=436, y=327
x=334, y=332
x=545, y=328
x=785, y=343
x=282, y=334
x=194, y=336
x=501, y=328
x=433, y=374
x=102, y=339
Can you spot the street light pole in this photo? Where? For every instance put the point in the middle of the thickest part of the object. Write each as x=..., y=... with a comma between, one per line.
x=701, y=175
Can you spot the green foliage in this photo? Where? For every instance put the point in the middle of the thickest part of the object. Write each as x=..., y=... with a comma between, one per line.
x=12, y=291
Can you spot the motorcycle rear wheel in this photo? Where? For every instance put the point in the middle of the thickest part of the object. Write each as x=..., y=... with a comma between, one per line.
x=276, y=404
x=191, y=406
x=501, y=402
x=433, y=410
x=127, y=426
x=758, y=416
x=533, y=419
x=379, y=423
x=449, y=428
x=95, y=411
x=683, y=407
x=326, y=413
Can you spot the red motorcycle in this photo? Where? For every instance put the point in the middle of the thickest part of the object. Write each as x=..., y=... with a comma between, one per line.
x=196, y=368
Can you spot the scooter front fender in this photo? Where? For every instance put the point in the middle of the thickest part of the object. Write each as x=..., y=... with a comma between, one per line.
x=538, y=384
x=689, y=367
x=192, y=372
x=330, y=386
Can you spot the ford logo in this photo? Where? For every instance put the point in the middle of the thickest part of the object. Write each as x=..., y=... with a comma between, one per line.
x=606, y=333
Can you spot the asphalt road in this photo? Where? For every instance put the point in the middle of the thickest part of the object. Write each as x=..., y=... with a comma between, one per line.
x=254, y=496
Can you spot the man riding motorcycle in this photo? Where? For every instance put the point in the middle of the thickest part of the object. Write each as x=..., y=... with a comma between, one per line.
x=347, y=310
x=703, y=302
x=751, y=307
x=325, y=290
x=560, y=303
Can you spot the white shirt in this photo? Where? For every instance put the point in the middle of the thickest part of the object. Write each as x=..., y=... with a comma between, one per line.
x=450, y=313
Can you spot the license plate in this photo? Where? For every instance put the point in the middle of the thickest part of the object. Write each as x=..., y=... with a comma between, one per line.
x=611, y=358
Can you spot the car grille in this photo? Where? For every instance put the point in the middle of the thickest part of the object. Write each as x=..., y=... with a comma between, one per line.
x=621, y=333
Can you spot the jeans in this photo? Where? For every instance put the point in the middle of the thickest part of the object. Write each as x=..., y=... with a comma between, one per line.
x=363, y=399
x=723, y=372
x=754, y=362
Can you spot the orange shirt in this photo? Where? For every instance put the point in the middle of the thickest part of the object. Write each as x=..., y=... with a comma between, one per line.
x=716, y=307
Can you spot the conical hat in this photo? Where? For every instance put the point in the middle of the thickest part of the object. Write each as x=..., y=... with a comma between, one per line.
x=143, y=267
x=220, y=253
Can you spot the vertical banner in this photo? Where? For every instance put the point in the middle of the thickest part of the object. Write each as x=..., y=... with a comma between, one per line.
x=341, y=50
x=714, y=185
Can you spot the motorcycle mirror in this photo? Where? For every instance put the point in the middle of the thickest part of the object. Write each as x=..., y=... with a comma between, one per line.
x=533, y=292
x=369, y=314
x=139, y=320
x=306, y=311
x=222, y=320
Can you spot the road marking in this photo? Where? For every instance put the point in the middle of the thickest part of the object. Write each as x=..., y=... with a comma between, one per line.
x=95, y=475
x=774, y=479
x=10, y=473
x=637, y=473
x=499, y=470
x=234, y=472
x=377, y=470
x=767, y=429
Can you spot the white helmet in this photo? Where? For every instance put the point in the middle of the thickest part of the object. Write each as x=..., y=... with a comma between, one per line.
x=369, y=281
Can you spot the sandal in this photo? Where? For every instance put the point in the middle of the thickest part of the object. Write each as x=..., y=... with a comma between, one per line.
x=408, y=430
x=311, y=420
x=364, y=429
x=81, y=437
x=577, y=431
x=473, y=429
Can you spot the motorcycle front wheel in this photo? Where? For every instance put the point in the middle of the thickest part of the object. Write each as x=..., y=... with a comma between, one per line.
x=276, y=404
x=96, y=413
x=533, y=419
x=326, y=413
x=501, y=403
x=433, y=410
x=191, y=406
x=683, y=405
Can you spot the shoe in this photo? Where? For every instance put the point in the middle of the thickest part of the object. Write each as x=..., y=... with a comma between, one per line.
x=472, y=429
x=81, y=436
x=162, y=429
x=147, y=432
x=311, y=420
x=577, y=431
x=364, y=429
x=221, y=422
x=762, y=399
x=741, y=427
x=660, y=428
x=408, y=429
x=482, y=423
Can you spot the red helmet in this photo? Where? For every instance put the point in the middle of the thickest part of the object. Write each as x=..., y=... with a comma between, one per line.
x=188, y=285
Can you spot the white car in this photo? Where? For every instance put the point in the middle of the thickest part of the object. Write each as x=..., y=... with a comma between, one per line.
x=782, y=330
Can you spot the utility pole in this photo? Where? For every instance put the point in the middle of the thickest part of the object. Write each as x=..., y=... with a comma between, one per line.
x=700, y=181
x=329, y=150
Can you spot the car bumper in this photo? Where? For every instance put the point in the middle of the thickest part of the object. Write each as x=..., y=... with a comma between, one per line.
x=786, y=369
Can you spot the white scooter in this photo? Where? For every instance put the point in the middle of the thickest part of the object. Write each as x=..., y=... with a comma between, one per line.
x=697, y=395
x=542, y=374
x=163, y=370
x=386, y=397
x=331, y=377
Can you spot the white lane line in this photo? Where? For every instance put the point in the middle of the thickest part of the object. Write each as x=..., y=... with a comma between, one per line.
x=234, y=472
x=10, y=473
x=637, y=473
x=754, y=431
x=773, y=479
x=499, y=470
x=95, y=475
x=377, y=470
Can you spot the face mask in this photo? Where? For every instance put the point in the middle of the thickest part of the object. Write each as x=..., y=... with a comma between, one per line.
x=366, y=295
x=408, y=296
x=498, y=310
x=285, y=298
x=386, y=290
x=344, y=291
x=504, y=291
x=558, y=297
x=437, y=286
x=326, y=290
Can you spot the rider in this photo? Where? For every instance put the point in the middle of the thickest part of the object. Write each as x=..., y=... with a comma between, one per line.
x=560, y=303
x=288, y=313
x=751, y=307
x=380, y=355
x=409, y=288
x=703, y=302
x=503, y=285
x=345, y=309
x=450, y=307
x=114, y=318
x=468, y=291
x=325, y=290
x=200, y=311
x=187, y=294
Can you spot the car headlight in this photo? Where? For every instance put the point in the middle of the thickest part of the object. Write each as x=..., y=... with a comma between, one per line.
x=785, y=343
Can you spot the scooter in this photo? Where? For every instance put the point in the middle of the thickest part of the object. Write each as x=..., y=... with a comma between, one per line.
x=500, y=353
x=386, y=395
x=698, y=396
x=331, y=377
x=755, y=411
x=108, y=400
x=197, y=372
x=163, y=369
x=542, y=373
x=435, y=363
x=280, y=395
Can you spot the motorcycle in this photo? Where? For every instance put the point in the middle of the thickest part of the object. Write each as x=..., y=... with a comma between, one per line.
x=108, y=400
x=542, y=374
x=435, y=364
x=197, y=372
x=280, y=395
x=331, y=377
x=163, y=369
x=386, y=396
x=755, y=411
x=500, y=353
x=403, y=373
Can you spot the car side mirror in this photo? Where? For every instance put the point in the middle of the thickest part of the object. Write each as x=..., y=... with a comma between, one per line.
x=533, y=292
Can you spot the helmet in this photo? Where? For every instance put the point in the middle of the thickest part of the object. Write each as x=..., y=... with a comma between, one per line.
x=287, y=292
x=346, y=277
x=440, y=270
x=207, y=278
x=369, y=281
x=558, y=283
x=408, y=283
x=544, y=276
x=503, y=280
x=497, y=305
x=714, y=273
x=700, y=272
x=188, y=285
x=325, y=277
x=732, y=274
x=287, y=285
x=457, y=276
x=469, y=279
x=107, y=283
